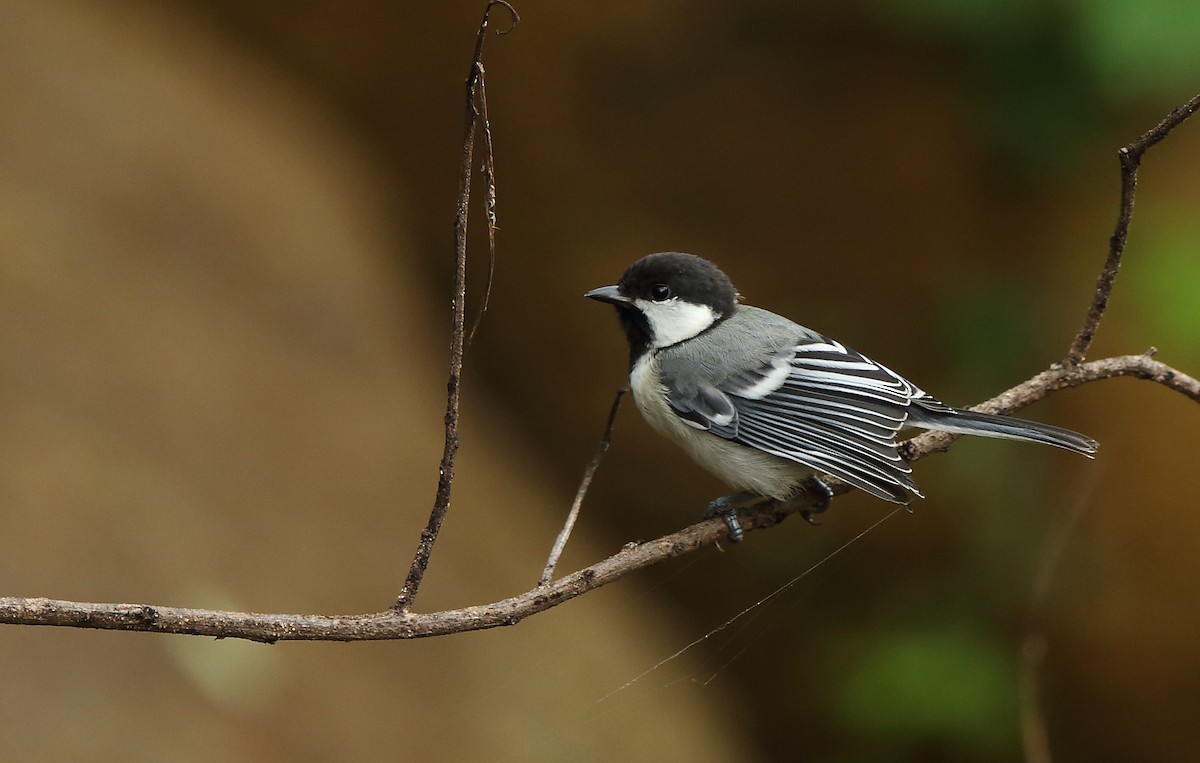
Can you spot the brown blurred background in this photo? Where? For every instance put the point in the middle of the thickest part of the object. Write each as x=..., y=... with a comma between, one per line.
x=225, y=252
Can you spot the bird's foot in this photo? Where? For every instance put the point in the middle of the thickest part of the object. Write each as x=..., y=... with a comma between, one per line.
x=726, y=507
x=822, y=496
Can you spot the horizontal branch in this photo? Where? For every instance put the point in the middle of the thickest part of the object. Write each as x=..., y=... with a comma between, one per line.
x=395, y=624
x=390, y=624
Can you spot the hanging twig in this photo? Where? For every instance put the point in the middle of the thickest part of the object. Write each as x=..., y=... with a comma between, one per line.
x=441, y=503
x=489, y=176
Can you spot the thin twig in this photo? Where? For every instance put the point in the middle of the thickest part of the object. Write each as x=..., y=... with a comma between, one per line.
x=1131, y=158
x=441, y=503
x=489, y=175
x=402, y=624
x=1035, y=737
x=601, y=448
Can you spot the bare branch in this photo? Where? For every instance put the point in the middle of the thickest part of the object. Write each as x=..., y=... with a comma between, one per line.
x=1131, y=158
x=402, y=624
x=601, y=448
x=441, y=503
x=391, y=624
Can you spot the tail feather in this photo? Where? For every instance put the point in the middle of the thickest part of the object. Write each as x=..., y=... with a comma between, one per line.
x=958, y=421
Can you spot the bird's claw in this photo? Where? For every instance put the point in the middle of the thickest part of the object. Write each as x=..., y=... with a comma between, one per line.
x=726, y=507
x=821, y=495
x=736, y=533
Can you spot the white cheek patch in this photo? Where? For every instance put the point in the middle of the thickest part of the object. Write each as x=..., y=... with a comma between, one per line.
x=673, y=321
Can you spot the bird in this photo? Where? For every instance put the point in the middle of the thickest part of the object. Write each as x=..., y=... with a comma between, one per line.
x=770, y=406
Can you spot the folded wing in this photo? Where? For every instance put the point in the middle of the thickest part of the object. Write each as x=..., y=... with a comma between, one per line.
x=818, y=403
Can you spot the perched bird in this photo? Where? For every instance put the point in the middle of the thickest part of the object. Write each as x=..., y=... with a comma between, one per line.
x=766, y=404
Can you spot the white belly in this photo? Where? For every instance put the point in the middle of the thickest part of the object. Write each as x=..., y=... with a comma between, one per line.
x=739, y=466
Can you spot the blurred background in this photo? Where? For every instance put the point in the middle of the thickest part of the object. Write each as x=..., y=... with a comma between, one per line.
x=225, y=261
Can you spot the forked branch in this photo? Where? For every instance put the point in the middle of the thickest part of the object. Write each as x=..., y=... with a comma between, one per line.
x=1131, y=159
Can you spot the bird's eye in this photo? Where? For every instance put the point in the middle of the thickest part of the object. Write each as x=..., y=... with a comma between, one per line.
x=660, y=292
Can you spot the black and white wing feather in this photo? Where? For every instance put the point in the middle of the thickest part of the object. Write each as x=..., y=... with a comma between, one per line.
x=811, y=400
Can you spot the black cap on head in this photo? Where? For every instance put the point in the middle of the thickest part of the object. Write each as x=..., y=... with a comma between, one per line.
x=675, y=274
x=663, y=277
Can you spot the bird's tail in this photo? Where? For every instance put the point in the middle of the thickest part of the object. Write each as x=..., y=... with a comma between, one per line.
x=958, y=421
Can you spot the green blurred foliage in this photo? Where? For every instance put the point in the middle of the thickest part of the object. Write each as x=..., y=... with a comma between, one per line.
x=1140, y=48
x=1166, y=280
x=943, y=685
x=1039, y=74
x=985, y=327
x=1135, y=48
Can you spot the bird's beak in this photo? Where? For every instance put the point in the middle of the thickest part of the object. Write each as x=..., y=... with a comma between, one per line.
x=609, y=294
